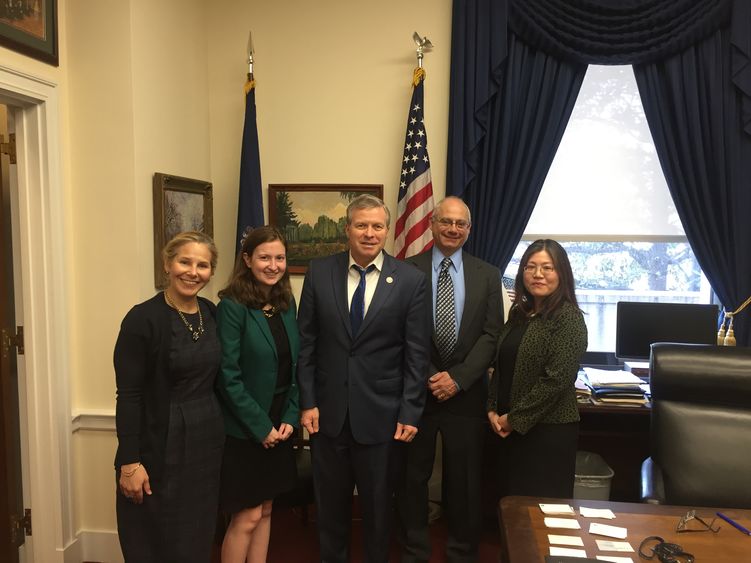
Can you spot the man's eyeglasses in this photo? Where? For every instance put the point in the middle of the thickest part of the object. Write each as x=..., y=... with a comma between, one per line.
x=546, y=269
x=691, y=522
x=460, y=224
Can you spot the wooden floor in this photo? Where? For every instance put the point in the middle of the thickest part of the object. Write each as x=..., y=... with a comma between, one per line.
x=293, y=541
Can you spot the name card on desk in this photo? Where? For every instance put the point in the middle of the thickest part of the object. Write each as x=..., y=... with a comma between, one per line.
x=609, y=545
x=567, y=523
x=609, y=531
x=567, y=552
x=553, y=509
x=596, y=512
x=565, y=540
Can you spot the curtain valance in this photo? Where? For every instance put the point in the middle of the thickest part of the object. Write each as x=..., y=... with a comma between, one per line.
x=615, y=31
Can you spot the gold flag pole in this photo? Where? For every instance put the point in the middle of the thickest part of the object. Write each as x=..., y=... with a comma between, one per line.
x=250, y=84
x=423, y=45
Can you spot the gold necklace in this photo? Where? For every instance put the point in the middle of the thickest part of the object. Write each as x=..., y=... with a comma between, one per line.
x=195, y=334
x=269, y=312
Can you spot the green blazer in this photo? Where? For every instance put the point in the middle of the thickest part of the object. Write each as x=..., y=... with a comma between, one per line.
x=247, y=377
x=546, y=366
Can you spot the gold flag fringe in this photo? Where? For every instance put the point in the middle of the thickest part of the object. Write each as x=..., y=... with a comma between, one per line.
x=249, y=85
x=418, y=76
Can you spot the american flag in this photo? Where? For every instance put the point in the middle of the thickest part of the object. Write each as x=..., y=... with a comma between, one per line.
x=412, y=233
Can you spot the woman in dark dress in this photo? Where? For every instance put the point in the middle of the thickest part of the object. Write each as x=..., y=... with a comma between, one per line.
x=532, y=399
x=169, y=424
x=258, y=332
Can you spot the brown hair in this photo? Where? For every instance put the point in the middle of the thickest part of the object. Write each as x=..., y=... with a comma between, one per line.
x=523, y=306
x=243, y=286
x=170, y=250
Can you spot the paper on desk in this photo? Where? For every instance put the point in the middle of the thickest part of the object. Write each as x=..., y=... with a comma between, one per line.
x=557, y=509
x=565, y=540
x=611, y=378
x=567, y=552
x=614, y=559
x=609, y=545
x=609, y=531
x=596, y=512
x=568, y=523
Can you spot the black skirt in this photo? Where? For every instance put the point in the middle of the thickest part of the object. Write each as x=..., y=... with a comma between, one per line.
x=542, y=462
x=252, y=474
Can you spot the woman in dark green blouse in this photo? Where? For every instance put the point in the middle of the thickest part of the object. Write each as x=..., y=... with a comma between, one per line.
x=258, y=333
x=532, y=399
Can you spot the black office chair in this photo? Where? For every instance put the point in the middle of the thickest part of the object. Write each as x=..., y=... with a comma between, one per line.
x=700, y=428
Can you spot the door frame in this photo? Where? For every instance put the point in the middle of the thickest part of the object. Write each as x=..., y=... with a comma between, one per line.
x=44, y=302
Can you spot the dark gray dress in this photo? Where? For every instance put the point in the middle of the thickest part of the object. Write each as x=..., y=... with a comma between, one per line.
x=177, y=522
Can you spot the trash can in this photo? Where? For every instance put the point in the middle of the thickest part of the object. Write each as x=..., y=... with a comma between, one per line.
x=592, y=477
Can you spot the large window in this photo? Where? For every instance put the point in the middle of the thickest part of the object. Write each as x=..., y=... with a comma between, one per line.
x=605, y=199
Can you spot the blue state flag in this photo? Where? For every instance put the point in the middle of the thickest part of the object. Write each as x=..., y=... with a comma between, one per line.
x=250, y=202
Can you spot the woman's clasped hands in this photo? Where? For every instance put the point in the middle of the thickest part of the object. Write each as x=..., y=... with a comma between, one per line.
x=500, y=424
x=275, y=436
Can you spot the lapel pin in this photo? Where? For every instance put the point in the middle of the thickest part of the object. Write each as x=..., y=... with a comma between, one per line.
x=389, y=280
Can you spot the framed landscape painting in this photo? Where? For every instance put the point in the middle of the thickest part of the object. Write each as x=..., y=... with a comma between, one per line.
x=312, y=218
x=180, y=204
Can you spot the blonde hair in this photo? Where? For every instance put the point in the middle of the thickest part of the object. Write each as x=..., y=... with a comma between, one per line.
x=170, y=250
x=367, y=201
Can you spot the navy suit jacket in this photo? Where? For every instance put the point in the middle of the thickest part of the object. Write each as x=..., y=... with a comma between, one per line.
x=378, y=376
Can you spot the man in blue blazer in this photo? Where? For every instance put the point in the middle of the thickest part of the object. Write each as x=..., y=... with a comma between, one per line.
x=457, y=391
x=364, y=348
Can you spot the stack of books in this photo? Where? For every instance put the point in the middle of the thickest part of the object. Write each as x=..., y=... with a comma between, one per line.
x=616, y=387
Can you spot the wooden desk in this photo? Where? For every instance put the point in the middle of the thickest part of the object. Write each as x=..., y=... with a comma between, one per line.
x=524, y=537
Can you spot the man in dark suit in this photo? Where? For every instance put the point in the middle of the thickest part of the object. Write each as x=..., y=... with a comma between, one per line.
x=467, y=317
x=364, y=348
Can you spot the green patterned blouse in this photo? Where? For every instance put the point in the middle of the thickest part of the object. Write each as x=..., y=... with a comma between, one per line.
x=547, y=363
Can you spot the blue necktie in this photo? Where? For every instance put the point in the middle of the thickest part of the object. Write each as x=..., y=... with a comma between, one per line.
x=357, y=307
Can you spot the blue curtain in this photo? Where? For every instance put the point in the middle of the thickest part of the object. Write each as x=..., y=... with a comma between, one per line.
x=527, y=117
x=694, y=113
x=517, y=66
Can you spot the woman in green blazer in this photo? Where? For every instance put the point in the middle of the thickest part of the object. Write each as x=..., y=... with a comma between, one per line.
x=532, y=399
x=258, y=333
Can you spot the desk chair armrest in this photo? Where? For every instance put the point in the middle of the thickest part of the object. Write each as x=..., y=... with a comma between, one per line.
x=652, y=485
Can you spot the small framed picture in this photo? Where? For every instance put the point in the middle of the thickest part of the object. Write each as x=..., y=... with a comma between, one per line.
x=180, y=204
x=312, y=218
x=30, y=27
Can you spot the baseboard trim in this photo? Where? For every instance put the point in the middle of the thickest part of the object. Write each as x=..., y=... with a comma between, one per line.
x=94, y=546
x=95, y=420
